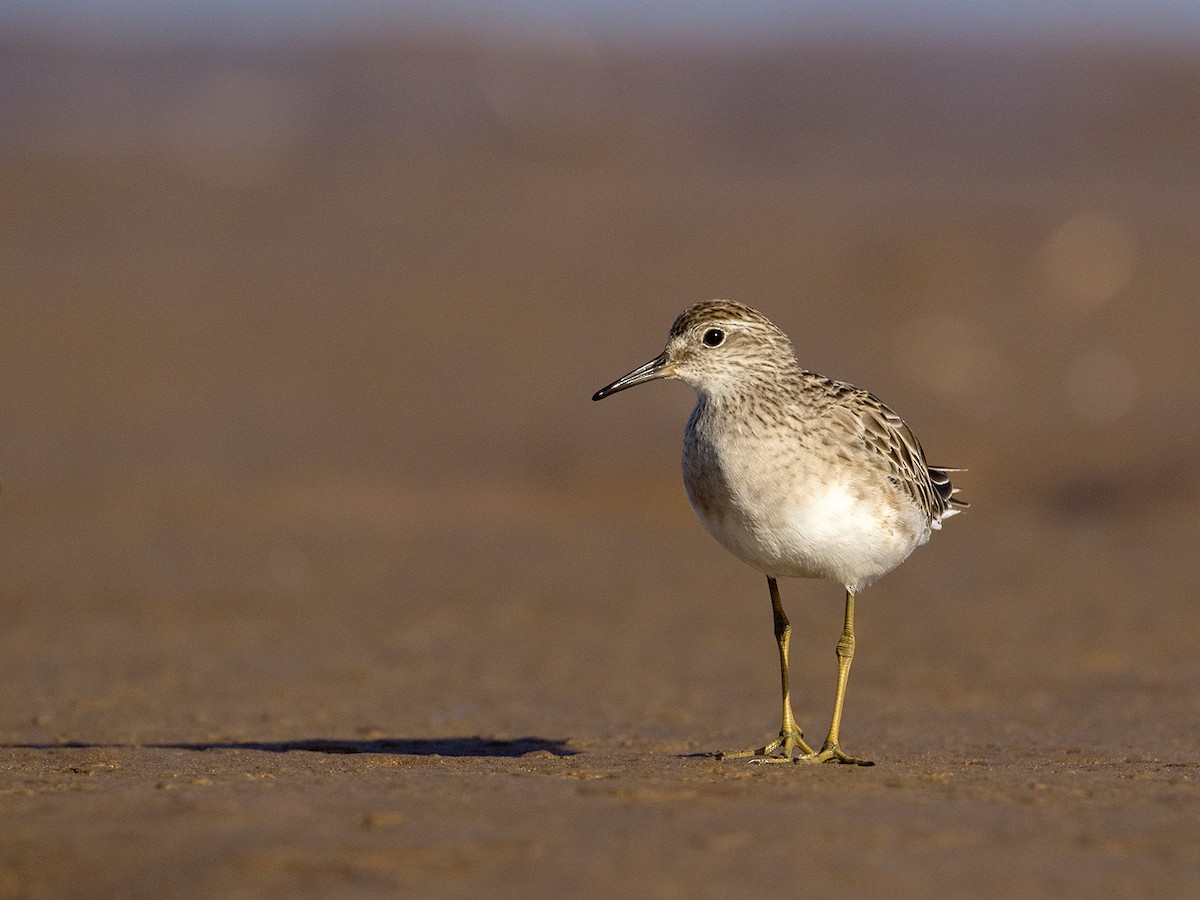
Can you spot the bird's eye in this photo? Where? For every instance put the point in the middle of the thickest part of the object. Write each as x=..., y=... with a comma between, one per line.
x=714, y=337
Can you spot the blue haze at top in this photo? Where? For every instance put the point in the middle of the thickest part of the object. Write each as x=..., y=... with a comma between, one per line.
x=1154, y=18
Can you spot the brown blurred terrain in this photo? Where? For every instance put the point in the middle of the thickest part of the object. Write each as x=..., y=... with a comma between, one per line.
x=321, y=576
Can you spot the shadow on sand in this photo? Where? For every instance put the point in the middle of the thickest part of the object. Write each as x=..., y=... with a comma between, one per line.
x=457, y=746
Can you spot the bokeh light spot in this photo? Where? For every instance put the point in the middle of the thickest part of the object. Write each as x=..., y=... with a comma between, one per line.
x=1090, y=258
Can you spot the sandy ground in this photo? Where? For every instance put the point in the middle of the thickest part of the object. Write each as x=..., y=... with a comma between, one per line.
x=321, y=576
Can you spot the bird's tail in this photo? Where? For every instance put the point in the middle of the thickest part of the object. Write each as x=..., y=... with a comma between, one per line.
x=940, y=478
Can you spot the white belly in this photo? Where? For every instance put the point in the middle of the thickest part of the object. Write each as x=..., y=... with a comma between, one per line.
x=849, y=533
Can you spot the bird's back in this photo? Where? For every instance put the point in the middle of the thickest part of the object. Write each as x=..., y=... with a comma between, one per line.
x=812, y=477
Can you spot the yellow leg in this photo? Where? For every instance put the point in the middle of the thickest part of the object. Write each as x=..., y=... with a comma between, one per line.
x=832, y=751
x=790, y=736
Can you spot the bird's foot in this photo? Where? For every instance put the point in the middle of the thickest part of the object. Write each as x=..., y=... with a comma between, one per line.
x=779, y=750
x=832, y=752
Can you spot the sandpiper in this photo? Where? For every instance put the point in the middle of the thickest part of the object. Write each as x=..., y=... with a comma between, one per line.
x=795, y=474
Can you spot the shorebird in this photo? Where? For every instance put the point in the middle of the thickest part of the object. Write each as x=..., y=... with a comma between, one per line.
x=797, y=475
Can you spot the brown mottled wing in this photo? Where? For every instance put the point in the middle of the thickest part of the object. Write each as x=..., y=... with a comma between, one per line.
x=897, y=447
x=891, y=443
x=899, y=453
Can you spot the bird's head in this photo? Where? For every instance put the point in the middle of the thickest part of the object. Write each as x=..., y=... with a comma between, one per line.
x=715, y=346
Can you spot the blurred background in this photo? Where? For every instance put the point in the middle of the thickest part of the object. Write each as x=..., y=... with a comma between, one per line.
x=303, y=304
